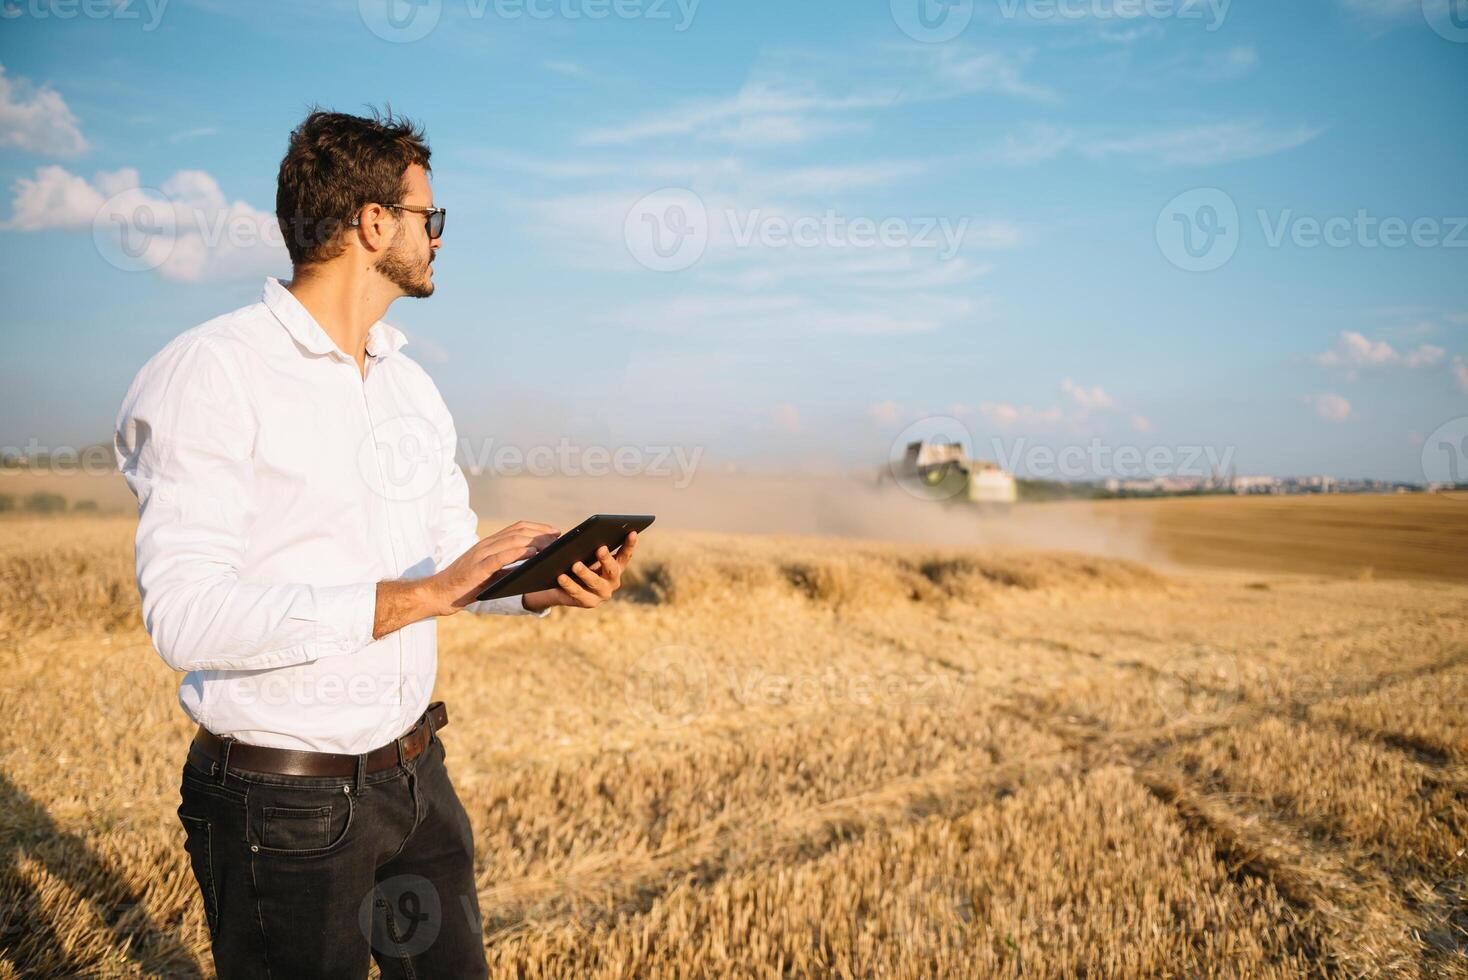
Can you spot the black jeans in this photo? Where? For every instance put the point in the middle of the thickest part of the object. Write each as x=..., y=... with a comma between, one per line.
x=307, y=876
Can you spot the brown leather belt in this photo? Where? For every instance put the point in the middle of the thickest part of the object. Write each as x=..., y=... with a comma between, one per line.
x=210, y=748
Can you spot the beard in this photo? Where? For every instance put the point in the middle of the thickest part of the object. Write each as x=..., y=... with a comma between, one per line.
x=405, y=270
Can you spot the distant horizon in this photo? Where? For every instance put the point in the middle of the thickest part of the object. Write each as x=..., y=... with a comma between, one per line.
x=788, y=232
x=732, y=467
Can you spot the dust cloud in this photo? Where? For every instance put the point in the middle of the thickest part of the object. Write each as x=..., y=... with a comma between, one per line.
x=852, y=505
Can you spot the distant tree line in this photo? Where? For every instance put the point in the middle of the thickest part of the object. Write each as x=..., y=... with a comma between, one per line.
x=1033, y=490
x=96, y=458
x=42, y=502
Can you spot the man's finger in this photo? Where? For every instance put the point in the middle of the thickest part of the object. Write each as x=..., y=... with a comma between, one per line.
x=624, y=555
x=530, y=527
x=502, y=558
x=533, y=526
x=593, y=582
x=610, y=570
x=487, y=548
x=569, y=586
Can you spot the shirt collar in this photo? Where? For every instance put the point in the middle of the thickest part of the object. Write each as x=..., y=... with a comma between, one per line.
x=382, y=337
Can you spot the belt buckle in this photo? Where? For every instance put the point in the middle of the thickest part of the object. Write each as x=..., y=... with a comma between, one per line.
x=402, y=740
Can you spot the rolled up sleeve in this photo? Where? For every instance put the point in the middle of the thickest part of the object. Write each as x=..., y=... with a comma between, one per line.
x=184, y=443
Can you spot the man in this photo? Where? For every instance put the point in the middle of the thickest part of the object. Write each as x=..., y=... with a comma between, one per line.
x=302, y=523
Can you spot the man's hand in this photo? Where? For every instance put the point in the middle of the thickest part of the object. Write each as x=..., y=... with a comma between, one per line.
x=460, y=583
x=596, y=584
x=445, y=593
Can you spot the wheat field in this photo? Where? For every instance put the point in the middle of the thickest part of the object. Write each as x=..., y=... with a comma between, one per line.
x=798, y=756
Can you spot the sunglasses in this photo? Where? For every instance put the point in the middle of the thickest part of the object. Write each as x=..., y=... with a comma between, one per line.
x=433, y=217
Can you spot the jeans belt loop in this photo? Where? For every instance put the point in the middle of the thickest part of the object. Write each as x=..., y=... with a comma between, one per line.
x=361, y=772
x=225, y=742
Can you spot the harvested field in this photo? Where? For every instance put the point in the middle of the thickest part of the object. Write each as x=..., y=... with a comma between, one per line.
x=812, y=757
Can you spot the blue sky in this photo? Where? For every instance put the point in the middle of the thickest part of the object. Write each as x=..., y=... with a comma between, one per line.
x=1072, y=151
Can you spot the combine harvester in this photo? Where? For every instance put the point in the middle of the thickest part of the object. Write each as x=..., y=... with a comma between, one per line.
x=943, y=471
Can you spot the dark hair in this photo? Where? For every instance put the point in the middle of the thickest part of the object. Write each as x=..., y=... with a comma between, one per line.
x=335, y=164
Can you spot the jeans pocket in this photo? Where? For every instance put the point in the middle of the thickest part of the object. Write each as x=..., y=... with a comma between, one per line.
x=288, y=828
x=199, y=843
x=284, y=823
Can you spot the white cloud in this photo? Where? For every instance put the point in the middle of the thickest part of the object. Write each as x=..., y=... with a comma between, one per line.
x=1131, y=35
x=1203, y=145
x=909, y=275
x=187, y=229
x=1087, y=398
x=778, y=315
x=817, y=248
x=1382, y=8
x=219, y=239
x=570, y=69
x=726, y=174
x=1227, y=65
x=1036, y=144
x=37, y=120
x=1460, y=372
x=796, y=97
x=1331, y=408
x=776, y=130
x=773, y=115
x=1211, y=67
x=1200, y=145
x=1005, y=416
x=1425, y=355
x=54, y=198
x=1082, y=418
x=1355, y=350
x=965, y=71
x=794, y=235
x=821, y=180
x=192, y=134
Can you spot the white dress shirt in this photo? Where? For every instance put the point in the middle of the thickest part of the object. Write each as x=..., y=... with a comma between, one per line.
x=276, y=487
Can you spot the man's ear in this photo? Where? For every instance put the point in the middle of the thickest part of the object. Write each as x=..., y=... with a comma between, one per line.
x=375, y=227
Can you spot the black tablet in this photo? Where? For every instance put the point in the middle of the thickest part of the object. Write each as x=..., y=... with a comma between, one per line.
x=578, y=544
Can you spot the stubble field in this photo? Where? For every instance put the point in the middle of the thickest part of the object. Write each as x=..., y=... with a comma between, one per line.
x=790, y=755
